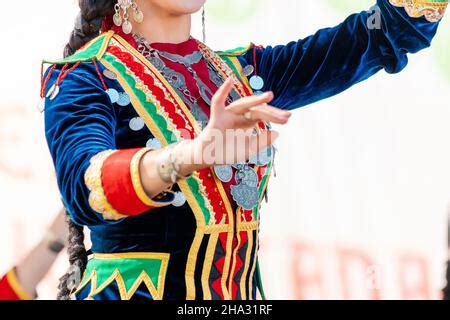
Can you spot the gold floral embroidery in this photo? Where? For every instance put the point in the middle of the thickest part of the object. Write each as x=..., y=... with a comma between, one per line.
x=432, y=10
x=93, y=180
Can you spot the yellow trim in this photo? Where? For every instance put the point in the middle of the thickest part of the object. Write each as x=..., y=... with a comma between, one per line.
x=17, y=287
x=235, y=251
x=192, y=258
x=236, y=53
x=217, y=228
x=93, y=181
x=207, y=265
x=248, y=226
x=157, y=293
x=247, y=264
x=433, y=11
x=252, y=272
x=137, y=183
x=161, y=78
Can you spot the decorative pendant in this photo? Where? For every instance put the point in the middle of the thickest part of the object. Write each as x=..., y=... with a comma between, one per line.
x=224, y=173
x=248, y=70
x=117, y=19
x=137, y=124
x=113, y=95
x=138, y=15
x=153, y=143
x=124, y=99
x=127, y=27
x=109, y=74
x=262, y=158
x=52, y=92
x=256, y=82
x=245, y=196
x=179, y=199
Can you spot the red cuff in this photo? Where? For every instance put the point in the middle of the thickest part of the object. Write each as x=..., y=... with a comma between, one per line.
x=10, y=288
x=115, y=184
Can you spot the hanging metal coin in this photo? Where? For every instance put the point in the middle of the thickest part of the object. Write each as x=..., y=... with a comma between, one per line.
x=113, y=95
x=245, y=196
x=153, y=143
x=179, y=199
x=137, y=124
x=53, y=92
x=127, y=27
x=124, y=99
x=256, y=82
x=262, y=158
x=109, y=74
x=224, y=173
x=138, y=16
x=117, y=19
x=250, y=177
x=248, y=70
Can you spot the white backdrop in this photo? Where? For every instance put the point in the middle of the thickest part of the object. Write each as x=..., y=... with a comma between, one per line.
x=359, y=206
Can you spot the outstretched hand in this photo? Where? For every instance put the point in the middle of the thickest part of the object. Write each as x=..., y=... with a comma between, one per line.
x=230, y=135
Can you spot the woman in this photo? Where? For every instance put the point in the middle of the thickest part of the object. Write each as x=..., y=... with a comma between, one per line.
x=142, y=122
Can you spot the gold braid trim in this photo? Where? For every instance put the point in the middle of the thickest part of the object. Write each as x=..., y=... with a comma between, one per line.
x=432, y=10
x=93, y=180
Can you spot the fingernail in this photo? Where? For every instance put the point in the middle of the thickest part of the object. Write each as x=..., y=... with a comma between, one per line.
x=268, y=94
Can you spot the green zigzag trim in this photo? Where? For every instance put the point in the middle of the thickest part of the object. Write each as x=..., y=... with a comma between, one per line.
x=102, y=272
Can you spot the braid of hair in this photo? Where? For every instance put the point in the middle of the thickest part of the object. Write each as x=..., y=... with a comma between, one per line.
x=88, y=23
x=77, y=258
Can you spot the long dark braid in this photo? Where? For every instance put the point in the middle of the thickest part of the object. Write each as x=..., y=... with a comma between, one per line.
x=77, y=258
x=88, y=23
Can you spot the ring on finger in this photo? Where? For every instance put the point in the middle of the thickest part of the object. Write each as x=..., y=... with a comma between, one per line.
x=248, y=115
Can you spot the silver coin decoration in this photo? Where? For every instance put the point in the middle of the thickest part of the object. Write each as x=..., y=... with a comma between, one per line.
x=249, y=177
x=256, y=82
x=245, y=196
x=248, y=70
x=224, y=173
x=262, y=158
x=124, y=99
x=137, y=124
x=109, y=74
x=113, y=95
x=127, y=27
x=153, y=143
x=179, y=200
x=117, y=19
x=53, y=92
x=138, y=16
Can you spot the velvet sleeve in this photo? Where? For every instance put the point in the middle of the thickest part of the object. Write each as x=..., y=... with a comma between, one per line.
x=97, y=181
x=334, y=59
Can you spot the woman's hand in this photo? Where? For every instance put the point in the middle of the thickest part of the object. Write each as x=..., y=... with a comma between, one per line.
x=230, y=135
x=228, y=138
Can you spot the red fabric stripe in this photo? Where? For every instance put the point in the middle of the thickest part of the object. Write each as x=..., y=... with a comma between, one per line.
x=118, y=186
x=6, y=291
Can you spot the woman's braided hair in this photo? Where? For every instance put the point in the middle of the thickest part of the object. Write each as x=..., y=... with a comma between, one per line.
x=77, y=259
x=87, y=26
x=88, y=23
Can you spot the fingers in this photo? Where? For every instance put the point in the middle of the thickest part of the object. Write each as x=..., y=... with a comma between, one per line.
x=219, y=99
x=269, y=114
x=244, y=104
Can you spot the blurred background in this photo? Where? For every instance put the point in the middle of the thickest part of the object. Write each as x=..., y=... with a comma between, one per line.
x=359, y=207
